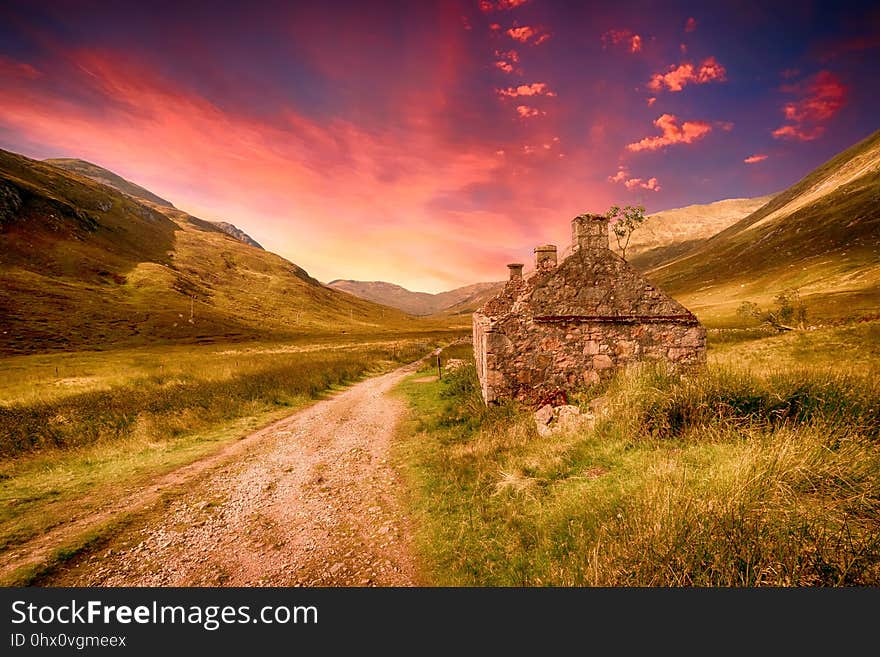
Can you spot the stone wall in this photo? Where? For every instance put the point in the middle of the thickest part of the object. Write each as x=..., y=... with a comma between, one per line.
x=538, y=362
x=570, y=325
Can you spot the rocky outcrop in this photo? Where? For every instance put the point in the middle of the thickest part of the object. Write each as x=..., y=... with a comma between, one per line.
x=550, y=419
x=10, y=202
x=236, y=232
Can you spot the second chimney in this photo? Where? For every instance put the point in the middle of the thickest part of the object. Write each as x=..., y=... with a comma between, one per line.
x=515, y=271
x=545, y=256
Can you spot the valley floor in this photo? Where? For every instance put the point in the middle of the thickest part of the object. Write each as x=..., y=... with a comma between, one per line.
x=761, y=470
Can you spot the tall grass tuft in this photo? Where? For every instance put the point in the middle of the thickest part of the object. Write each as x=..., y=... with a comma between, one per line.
x=652, y=402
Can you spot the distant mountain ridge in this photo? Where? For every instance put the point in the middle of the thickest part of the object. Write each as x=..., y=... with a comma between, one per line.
x=107, y=177
x=664, y=236
x=414, y=303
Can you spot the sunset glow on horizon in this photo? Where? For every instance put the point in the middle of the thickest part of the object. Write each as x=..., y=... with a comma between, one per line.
x=429, y=144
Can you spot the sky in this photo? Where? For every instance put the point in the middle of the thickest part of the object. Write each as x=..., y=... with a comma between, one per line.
x=430, y=143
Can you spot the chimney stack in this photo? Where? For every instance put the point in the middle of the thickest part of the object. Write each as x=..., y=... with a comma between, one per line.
x=545, y=256
x=515, y=271
x=589, y=232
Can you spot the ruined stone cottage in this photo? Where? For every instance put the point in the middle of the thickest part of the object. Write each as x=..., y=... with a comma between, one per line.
x=572, y=323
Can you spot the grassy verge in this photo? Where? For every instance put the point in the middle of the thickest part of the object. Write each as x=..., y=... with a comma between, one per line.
x=71, y=450
x=727, y=477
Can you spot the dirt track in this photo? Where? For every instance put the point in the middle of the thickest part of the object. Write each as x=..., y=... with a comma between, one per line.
x=308, y=501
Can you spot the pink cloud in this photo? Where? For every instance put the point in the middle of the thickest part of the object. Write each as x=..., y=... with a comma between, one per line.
x=528, y=34
x=487, y=6
x=533, y=89
x=527, y=112
x=650, y=184
x=727, y=126
x=523, y=33
x=511, y=55
x=506, y=60
x=633, y=42
x=690, y=25
x=677, y=77
x=651, y=101
x=622, y=176
x=753, y=159
x=673, y=133
x=495, y=27
x=821, y=97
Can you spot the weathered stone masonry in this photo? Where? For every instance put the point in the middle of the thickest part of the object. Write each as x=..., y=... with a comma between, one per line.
x=574, y=323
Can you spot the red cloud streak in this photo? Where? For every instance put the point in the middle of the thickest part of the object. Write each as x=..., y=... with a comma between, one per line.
x=821, y=97
x=753, y=159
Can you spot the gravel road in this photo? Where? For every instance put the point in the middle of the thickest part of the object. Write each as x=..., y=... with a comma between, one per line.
x=311, y=500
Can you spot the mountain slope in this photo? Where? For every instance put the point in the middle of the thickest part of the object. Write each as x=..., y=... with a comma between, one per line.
x=414, y=303
x=476, y=299
x=822, y=236
x=107, y=177
x=82, y=265
x=669, y=234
